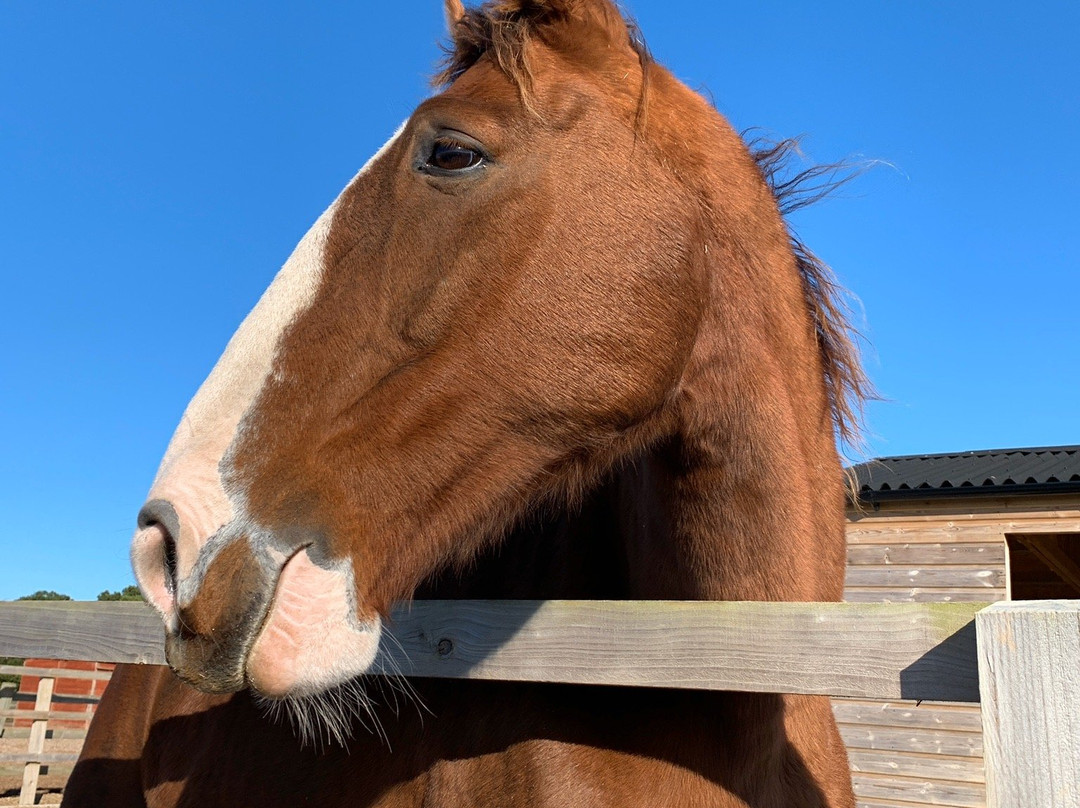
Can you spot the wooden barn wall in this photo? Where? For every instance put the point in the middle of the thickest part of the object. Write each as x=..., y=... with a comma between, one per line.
x=903, y=754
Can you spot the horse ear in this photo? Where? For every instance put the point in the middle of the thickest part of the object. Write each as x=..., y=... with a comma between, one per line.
x=455, y=10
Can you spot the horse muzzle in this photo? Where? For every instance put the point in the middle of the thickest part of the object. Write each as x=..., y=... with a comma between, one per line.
x=254, y=610
x=213, y=613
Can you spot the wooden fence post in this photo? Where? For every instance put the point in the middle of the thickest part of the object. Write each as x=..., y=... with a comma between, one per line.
x=1029, y=682
x=7, y=697
x=28, y=794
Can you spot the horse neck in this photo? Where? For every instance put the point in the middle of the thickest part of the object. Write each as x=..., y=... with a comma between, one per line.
x=745, y=501
x=698, y=523
x=691, y=518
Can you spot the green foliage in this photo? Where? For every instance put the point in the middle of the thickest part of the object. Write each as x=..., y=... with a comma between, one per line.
x=127, y=593
x=7, y=677
x=45, y=594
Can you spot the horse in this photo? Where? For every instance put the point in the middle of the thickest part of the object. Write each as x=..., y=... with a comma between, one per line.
x=555, y=340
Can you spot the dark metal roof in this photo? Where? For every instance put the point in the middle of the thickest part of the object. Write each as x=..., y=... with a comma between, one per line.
x=1001, y=472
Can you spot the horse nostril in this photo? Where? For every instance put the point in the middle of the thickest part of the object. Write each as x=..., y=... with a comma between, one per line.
x=161, y=513
x=169, y=554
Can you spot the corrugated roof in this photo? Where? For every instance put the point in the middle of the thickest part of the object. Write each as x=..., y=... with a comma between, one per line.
x=1053, y=469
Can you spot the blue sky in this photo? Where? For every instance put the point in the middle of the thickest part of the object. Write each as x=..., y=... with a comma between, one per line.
x=159, y=161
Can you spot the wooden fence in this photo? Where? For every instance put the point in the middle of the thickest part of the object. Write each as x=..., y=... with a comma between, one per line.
x=1020, y=659
x=28, y=729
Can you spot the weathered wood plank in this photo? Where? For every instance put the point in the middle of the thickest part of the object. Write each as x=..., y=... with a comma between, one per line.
x=54, y=780
x=46, y=715
x=882, y=532
x=40, y=758
x=914, y=651
x=891, y=739
x=777, y=647
x=926, y=792
x=7, y=695
x=54, y=673
x=927, y=715
x=123, y=632
x=1053, y=519
x=927, y=578
x=910, y=764
x=927, y=555
x=1029, y=662
x=55, y=733
x=916, y=595
x=28, y=793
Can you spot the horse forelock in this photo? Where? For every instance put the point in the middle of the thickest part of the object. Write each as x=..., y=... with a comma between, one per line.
x=503, y=29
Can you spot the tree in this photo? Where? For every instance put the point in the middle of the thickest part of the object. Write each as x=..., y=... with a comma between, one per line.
x=10, y=677
x=127, y=593
x=46, y=594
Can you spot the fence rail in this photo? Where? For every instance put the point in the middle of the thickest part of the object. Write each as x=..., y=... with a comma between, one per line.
x=1022, y=659
x=56, y=673
x=43, y=758
x=921, y=651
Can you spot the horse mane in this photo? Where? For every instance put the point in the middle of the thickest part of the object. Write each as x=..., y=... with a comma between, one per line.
x=846, y=382
x=502, y=29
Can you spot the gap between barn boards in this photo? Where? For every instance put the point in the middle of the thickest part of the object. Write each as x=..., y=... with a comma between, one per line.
x=919, y=651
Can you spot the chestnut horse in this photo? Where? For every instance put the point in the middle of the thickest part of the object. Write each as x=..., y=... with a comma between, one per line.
x=555, y=340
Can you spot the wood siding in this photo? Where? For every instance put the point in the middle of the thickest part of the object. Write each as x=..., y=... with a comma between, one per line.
x=905, y=754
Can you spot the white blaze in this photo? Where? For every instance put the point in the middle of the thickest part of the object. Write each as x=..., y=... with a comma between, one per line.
x=188, y=477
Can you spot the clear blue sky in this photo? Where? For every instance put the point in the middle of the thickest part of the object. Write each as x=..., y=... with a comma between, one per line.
x=159, y=161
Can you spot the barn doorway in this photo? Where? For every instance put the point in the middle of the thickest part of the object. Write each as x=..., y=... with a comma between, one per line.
x=1044, y=566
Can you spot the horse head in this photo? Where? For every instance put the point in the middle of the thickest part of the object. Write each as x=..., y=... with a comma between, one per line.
x=548, y=267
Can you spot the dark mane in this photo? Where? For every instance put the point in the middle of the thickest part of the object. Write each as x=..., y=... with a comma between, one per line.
x=846, y=381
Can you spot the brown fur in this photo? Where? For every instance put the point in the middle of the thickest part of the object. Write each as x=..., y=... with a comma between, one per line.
x=597, y=370
x=501, y=31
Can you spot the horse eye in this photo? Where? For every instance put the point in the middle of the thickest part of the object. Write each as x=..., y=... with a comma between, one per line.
x=449, y=155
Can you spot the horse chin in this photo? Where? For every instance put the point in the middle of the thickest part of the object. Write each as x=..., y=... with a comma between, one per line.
x=312, y=639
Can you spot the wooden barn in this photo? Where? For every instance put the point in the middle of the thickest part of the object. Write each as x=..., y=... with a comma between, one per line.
x=970, y=526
